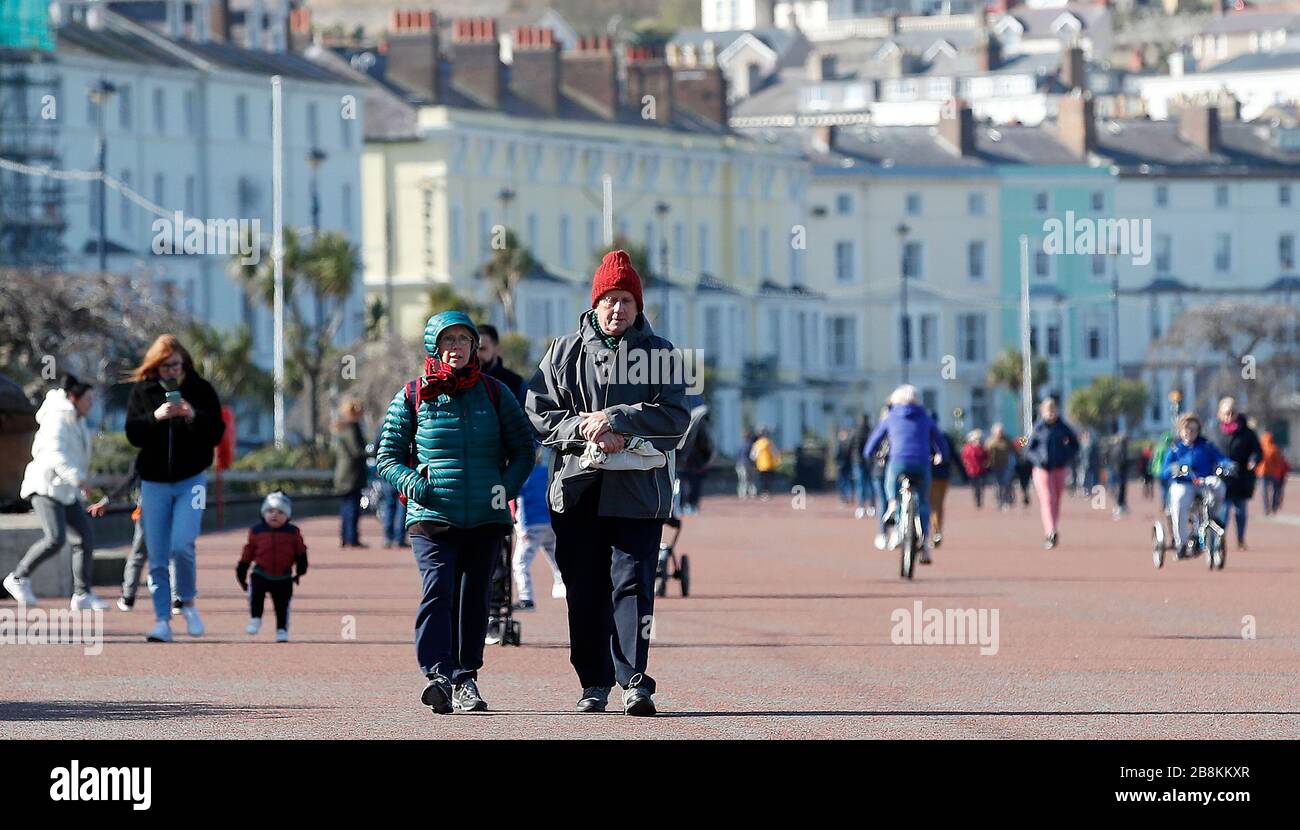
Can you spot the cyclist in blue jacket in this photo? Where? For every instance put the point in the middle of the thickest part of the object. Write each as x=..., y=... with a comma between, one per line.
x=915, y=444
x=1201, y=458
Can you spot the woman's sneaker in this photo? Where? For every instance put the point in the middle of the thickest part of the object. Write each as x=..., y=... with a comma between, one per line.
x=88, y=602
x=176, y=607
x=465, y=697
x=254, y=625
x=193, y=622
x=160, y=633
x=558, y=591
x=282, y=635
x=437, y=695
x=20, y=590
x=125, y=603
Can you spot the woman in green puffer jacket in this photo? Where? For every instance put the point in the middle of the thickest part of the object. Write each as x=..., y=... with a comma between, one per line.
x=459, y=451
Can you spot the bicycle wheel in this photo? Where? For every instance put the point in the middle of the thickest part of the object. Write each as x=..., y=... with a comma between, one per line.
x=1158, y=544
x=907, y=542
x=684, y=574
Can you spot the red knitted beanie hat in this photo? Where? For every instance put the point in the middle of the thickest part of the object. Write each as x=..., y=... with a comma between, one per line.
x=616, y=274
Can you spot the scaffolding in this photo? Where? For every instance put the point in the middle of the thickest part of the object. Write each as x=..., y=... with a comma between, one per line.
x=31, y=207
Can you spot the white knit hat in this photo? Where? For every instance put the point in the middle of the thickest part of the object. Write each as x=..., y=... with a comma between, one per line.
x=277, y=501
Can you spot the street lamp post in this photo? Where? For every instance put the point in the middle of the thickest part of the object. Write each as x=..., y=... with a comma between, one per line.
x=99, y=96
x=661, y=210
x=906, y=323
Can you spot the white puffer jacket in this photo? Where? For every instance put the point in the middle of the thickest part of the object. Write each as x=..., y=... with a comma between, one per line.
x=60, y=452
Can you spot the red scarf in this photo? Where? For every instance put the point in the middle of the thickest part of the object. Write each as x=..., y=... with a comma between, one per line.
x=441, y=379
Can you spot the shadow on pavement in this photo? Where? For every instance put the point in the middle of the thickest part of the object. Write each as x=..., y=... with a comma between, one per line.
x=77, y=710
x=951, y=714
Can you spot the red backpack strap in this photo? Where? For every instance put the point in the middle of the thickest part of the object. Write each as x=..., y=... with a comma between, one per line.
x=490, y=384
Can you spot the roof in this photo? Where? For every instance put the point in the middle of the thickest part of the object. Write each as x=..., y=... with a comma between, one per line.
x=1243, y=147
x=123, y=39
x=390, y=113
x=1253, y=20
x=1260, y=62
x=780, y=41
x=884, y=150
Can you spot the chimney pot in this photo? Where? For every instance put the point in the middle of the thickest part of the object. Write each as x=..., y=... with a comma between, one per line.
x=535, y=74
x=476, y=68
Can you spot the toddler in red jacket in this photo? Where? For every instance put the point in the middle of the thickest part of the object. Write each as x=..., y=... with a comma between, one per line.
x=277, y=555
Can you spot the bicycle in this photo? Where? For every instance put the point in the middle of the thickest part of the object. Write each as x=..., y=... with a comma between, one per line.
x=1207, y=532
x=907, y=527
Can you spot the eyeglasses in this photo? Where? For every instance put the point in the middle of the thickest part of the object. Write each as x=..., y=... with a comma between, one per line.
x=172, y=364
x=455, y=340
x=609, y=302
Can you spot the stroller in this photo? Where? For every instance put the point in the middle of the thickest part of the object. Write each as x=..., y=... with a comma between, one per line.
x=672, y=566
x=503, y=628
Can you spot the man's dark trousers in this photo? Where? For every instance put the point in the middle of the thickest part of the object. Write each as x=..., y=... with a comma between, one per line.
x=608, y=565
x=456, y=567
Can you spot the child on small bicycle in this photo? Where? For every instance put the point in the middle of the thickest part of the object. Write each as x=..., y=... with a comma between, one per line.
x=915, y=445
x=1191, y=462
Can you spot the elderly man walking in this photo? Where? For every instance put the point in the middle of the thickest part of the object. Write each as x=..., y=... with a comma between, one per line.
x=608, y=402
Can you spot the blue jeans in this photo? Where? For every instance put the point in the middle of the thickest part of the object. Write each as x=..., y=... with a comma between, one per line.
x=172, y=518
x=350, y=516
x=392, y=514
x=864, y=490
x=919, y=472
x=1238, y=507
x=878, y=491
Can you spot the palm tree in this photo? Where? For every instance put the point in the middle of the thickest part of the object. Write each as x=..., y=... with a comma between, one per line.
x=226, y=361
x=1008, y=369
x=507, y=266
x=324, y=268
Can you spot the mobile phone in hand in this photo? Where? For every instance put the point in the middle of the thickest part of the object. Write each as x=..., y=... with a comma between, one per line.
x=174, y=396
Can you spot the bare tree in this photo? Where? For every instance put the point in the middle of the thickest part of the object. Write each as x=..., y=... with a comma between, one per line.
x=91, y=324
x=1248, y=350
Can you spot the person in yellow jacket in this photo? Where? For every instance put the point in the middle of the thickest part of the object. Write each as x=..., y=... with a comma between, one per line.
x=766, y=458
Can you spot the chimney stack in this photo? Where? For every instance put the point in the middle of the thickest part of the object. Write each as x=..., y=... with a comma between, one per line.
x=988, y=52
x=702, y=91
x=535, y=73
x=957, y=126
x=649, y=74
x=219, y=20
x=589, y=76
x=1076, y=123
x=1073, y=69
x=1199, y=125
x=299, y=29
x=412, y=51
x=476, y=63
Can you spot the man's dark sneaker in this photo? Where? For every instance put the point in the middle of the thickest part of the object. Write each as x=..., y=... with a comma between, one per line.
x=524, y=605
x=638, y=702
x=594, y=699
x=176, y=607
x=465, y=697
x=437, y=695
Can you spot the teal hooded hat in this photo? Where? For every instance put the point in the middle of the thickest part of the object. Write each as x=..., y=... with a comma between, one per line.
x=442, y=321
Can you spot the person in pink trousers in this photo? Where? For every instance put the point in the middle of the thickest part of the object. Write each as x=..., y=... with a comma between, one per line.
x=1051, y=448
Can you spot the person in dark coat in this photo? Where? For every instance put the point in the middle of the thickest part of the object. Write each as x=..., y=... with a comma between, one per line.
x=349, y=470
x=608, y=510
x=174, y=417
x=489, y=357
x=1240, y=444
x=1051, y=448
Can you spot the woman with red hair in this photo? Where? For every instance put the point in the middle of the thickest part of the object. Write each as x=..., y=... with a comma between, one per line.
x=174, y=417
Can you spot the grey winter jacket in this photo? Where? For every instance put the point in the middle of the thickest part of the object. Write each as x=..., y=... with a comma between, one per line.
x=580, y=373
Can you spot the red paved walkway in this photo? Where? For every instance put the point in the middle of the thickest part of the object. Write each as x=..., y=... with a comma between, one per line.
x=786, y=635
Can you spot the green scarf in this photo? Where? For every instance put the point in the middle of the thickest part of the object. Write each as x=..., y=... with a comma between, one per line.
x=610, y=340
